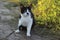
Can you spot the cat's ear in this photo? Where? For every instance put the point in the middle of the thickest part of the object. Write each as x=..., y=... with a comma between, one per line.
x=21, y=6
x=30, y=6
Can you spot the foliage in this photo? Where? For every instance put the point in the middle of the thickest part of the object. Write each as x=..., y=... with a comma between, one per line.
x=47, y=12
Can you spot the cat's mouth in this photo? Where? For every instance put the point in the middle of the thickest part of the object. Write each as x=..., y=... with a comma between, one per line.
x=25, y=15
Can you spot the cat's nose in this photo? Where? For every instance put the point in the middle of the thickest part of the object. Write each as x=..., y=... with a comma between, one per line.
x=27, y=13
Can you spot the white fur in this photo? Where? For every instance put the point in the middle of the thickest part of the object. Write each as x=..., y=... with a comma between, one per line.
x=27, y=21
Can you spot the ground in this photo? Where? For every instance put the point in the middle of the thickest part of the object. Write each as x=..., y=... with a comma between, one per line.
x=8, y=23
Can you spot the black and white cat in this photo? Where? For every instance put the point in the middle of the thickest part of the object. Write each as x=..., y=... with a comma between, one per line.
x=26, y=19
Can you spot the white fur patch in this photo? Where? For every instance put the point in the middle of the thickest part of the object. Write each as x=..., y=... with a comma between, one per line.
x=17, y=31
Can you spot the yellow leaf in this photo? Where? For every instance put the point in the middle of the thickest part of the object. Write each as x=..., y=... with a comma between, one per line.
x=53, y=6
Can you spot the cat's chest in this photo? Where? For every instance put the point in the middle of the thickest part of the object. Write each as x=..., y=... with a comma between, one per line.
x=26, y=21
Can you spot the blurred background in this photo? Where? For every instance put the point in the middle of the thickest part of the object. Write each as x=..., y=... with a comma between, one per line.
x=46, y=13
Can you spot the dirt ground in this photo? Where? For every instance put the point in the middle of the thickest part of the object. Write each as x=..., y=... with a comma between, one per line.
x=6, y=29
